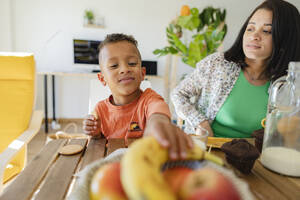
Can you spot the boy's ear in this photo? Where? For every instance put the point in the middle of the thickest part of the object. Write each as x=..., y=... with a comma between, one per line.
x=101, y=78
x=143, y=72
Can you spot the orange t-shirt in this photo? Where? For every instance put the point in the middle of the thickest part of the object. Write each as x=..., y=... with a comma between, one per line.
x=129, y=121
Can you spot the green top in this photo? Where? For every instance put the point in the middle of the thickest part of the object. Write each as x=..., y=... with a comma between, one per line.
x=243, y=110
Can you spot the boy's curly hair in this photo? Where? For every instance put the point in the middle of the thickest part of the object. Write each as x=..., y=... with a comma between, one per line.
x=118, y=37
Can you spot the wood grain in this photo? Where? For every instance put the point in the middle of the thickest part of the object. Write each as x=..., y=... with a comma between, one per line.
x=261, y=189
x=280, y=182
x=29, y=179
x=114, y=144
x=95, y=150
x=130, y=141
x=60, y=175
x=295, y=180
x=258, y=186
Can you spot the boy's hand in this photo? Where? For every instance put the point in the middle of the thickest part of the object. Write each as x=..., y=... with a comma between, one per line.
x=91, y=126
x=169, y=136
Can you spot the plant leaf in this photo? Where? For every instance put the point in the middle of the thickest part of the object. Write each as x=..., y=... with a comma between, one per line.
x=203, y=29
x=195, y=12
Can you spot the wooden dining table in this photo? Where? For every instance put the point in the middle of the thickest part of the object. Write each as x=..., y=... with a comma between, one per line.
x=50, y=176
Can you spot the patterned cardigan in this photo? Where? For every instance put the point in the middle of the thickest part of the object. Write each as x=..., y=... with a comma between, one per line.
x=202, y=93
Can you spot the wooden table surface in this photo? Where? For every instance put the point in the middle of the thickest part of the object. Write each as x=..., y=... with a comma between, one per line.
x=49, y=175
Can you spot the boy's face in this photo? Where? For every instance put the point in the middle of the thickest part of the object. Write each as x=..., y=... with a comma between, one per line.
x=121, y=69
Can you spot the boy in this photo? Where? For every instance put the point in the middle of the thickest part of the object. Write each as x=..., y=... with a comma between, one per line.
x=127, y=111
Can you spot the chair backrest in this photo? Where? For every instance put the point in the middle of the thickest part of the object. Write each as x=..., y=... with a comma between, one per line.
x=99, y=92
x=17, y=84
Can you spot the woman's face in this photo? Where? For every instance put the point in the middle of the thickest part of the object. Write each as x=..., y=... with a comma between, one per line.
x=257, y=39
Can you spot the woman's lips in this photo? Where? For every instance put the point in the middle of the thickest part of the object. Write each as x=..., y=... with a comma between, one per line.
x=253, y=46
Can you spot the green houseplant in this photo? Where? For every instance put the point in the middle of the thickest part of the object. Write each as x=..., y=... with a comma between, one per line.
x=89, y=15
x=206, y=31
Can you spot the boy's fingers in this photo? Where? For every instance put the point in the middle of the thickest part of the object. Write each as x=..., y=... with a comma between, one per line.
x=89, y=128
x=173, y=152
x=91, y=117
x=189, y=141
x=91, y=133
x=89, y=122
x=162, y=140
x=158, y=131
x=88, y=132
x=182, y=145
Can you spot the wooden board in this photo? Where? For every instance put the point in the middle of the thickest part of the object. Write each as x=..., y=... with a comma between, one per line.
x=295, y=180
x=95, y=150
x=60, y=175
x=261, y=189
x=130, y=141
x=280, y=182
x=26, y=182
x=265, y=184
x=113, y=144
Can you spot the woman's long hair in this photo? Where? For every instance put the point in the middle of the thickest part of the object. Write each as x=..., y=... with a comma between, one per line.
x=285, y=39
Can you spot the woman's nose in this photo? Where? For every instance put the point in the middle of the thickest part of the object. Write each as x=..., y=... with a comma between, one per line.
x=255, y=35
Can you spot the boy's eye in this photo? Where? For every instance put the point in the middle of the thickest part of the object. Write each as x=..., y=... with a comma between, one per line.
x=113, y=66
x=132, y=63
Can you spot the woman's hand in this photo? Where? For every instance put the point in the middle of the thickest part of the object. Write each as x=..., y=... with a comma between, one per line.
x=205, y=124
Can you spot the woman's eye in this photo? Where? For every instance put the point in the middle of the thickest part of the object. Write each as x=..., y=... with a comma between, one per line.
x=249, y=29
x=268, y=32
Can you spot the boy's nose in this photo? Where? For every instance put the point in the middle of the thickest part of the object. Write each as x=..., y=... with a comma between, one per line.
x=124, y=69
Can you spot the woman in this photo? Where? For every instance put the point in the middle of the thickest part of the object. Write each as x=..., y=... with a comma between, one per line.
x=228, y=93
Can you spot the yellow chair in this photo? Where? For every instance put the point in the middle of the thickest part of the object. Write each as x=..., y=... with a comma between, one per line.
x=18, y=121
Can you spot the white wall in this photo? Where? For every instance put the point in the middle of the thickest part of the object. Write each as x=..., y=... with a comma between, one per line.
x=47, y=28
x=5, y=26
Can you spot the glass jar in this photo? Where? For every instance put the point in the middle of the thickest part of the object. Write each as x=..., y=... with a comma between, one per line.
x=281, y=145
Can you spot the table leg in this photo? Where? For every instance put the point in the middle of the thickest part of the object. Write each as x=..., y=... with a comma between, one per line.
x=46, y=102
x=54, y=123
x=53, y=97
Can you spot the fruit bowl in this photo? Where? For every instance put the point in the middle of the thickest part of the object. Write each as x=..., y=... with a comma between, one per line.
x=84, y=177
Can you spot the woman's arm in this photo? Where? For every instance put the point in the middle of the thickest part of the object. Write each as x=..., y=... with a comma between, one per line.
x=205, y=124
x=185, y=96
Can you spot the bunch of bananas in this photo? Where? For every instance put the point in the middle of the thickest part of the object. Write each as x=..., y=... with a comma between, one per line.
x=141, y=175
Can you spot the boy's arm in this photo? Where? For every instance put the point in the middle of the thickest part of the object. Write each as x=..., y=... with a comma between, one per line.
x=168, y=135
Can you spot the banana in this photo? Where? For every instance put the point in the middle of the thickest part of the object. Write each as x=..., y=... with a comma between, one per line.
x=213, y=158
x=141, y=170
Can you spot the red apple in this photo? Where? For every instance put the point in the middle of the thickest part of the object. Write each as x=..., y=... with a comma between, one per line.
x=208, y=184
x=175, y=177
x=106, y=183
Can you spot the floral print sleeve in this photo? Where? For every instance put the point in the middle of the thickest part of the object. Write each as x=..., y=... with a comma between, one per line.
x=199, y=96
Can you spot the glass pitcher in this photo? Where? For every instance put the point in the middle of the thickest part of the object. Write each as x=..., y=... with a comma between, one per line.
x=281, y=145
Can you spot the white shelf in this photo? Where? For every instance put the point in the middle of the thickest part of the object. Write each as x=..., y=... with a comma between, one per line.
x=93, y=26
